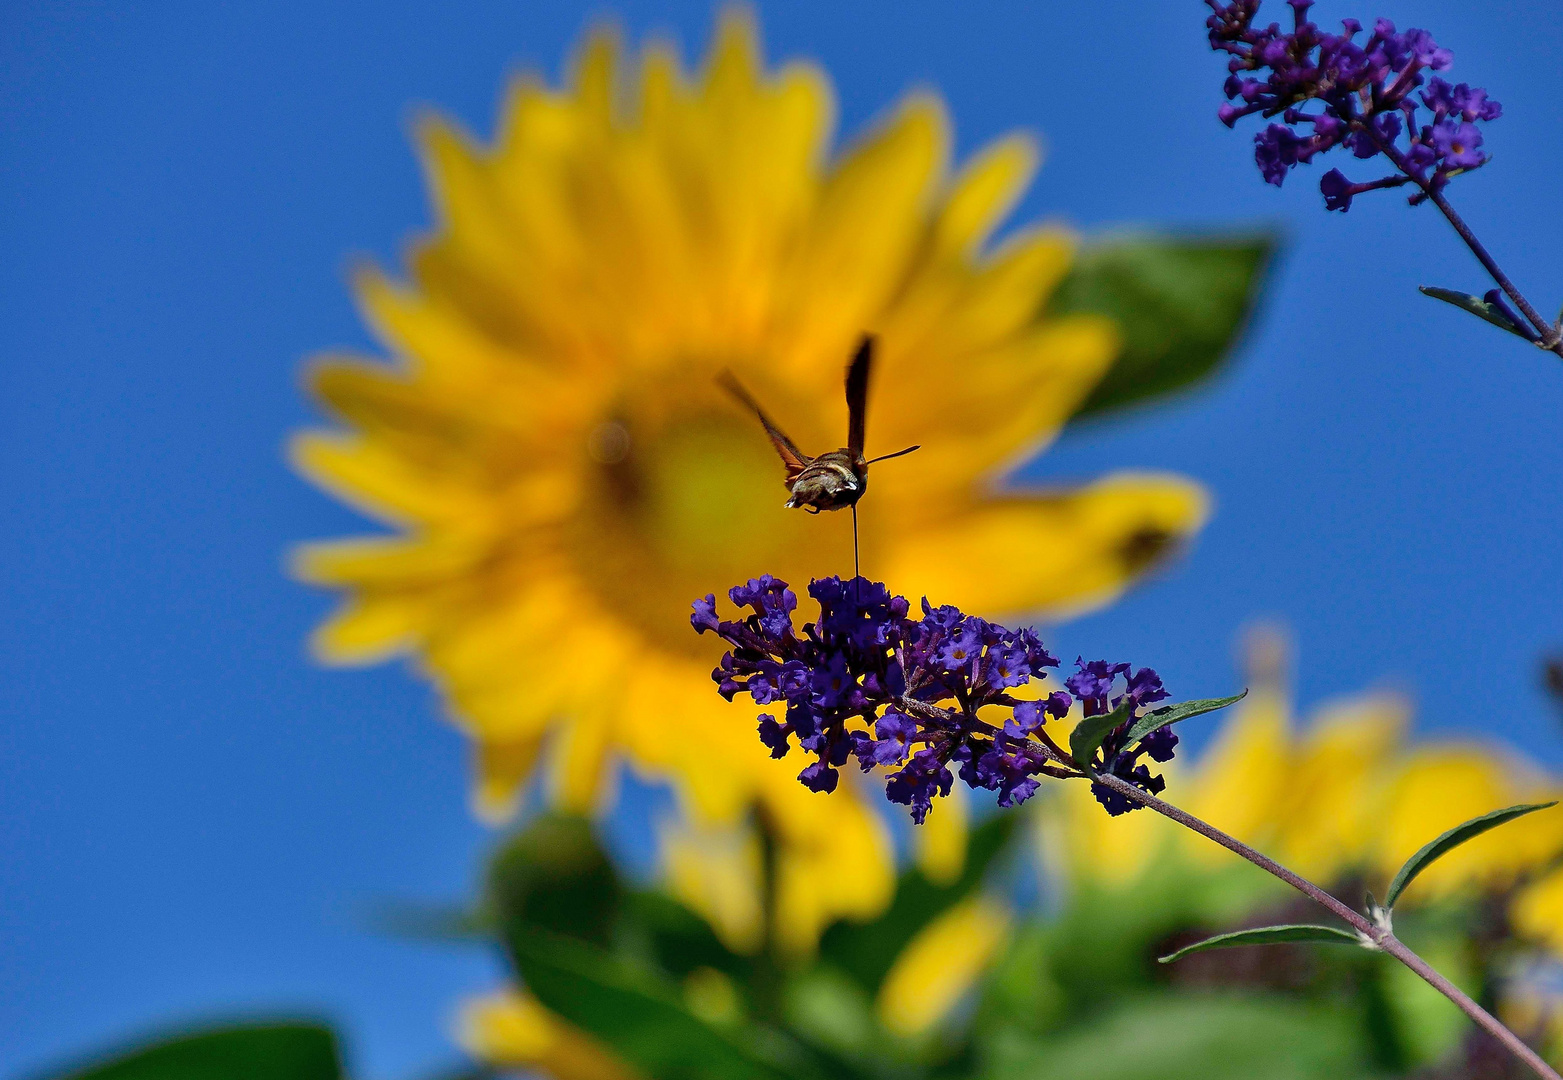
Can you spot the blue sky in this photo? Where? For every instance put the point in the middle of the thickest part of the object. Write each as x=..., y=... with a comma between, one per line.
x=195, y=821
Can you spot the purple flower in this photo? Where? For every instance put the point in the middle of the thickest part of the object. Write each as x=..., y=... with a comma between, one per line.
x=1144, y=687
x=1338, y=191
x=1458, y=144
x=1462, y=101
x=1275, y=152
x=866, y=681
x=774, y=735
x=1093, y=683
x=959, y=652
x=1009, y=774
x=1007, y=667
x=895, y=731
x=1161, y=744
x=925, y=776
x=1321, y=90
x=1027, y=717
x=819, y=777
x=704, y=617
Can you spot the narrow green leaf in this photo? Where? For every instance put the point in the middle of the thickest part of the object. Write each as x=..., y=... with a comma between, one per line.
x=639, y=1014
x=1180, y=303
x=1268, y=935
x=280, y=1051
x=1171, y=714
x=1476, y=306
x=1086, y=739
x=1452, y=839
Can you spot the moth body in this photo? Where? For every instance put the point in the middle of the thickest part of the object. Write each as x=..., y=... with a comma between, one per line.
x=831, y=481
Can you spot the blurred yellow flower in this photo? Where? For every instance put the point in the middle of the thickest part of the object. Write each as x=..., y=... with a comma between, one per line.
x=941, y=964
x=1348, y=795
x=509, y=1029
x=563, y=478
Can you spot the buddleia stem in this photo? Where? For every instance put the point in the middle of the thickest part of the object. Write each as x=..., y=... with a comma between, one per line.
x=1382, y=937
x=1549, y=335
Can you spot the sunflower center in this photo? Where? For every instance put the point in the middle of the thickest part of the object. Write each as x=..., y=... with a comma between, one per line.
x=689, y=503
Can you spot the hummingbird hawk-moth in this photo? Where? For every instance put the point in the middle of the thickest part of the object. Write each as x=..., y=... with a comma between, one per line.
x=836, y=478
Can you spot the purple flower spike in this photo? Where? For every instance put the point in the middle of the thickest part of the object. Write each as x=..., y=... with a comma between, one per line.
x=867, y=681
x=1321, y=90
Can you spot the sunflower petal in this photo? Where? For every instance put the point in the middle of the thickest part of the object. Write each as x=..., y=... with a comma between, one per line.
x=986, y=189
x=369, y=628
x=381, y=482
x=1008, y=403
x=1047, y=554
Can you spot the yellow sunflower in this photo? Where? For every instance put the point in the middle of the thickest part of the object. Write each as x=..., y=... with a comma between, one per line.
x=563, y=477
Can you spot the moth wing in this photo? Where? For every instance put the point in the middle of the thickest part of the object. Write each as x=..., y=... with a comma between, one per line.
x=793, y=458
x=857, y=394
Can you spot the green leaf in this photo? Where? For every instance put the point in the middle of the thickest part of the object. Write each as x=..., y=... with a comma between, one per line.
x=1179, y=301
x=277, y=1051
x=679, y=939
x=867, y=950
x=1482, y=309
x=1452, y=839
x=1086, y=739
x=1268, y=935
x=1190, y=1035
x=639, y=1014
x=1171, y=714
x=554, y=874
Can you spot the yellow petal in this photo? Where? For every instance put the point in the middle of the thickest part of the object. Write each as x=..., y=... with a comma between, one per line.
x=992, y=409
x=941, y=964
x=500, y=768
x=1538, y=910
x=987, y=189
x=580, y=757
x=869, y=217
x=510, y=1029
x=1239, y=781
x=370, y=628
x=594, y=75
x=1047, y=553
x=716, y=870
x=1334, y=796
x=939, y=845
x=835, y=859
x=380, y=482
x=384, y=562
x=1441, y=786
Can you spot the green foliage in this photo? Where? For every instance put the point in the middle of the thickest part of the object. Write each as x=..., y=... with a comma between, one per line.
x=1268, y=935
x=1191, y=1037
x=1448, y=841
x=555, y=876
x=259, y=1051
x=1479, y=307
x=1171, y=714
x=636, y=1011
x=1086, y=739
x=1180, y=302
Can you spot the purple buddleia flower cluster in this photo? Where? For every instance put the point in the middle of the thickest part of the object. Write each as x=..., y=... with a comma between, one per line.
x=867, y=681
x=1362, y=93
x=1094, y=686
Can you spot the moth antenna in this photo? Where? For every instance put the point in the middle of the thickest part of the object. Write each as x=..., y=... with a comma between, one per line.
x=898, y=453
